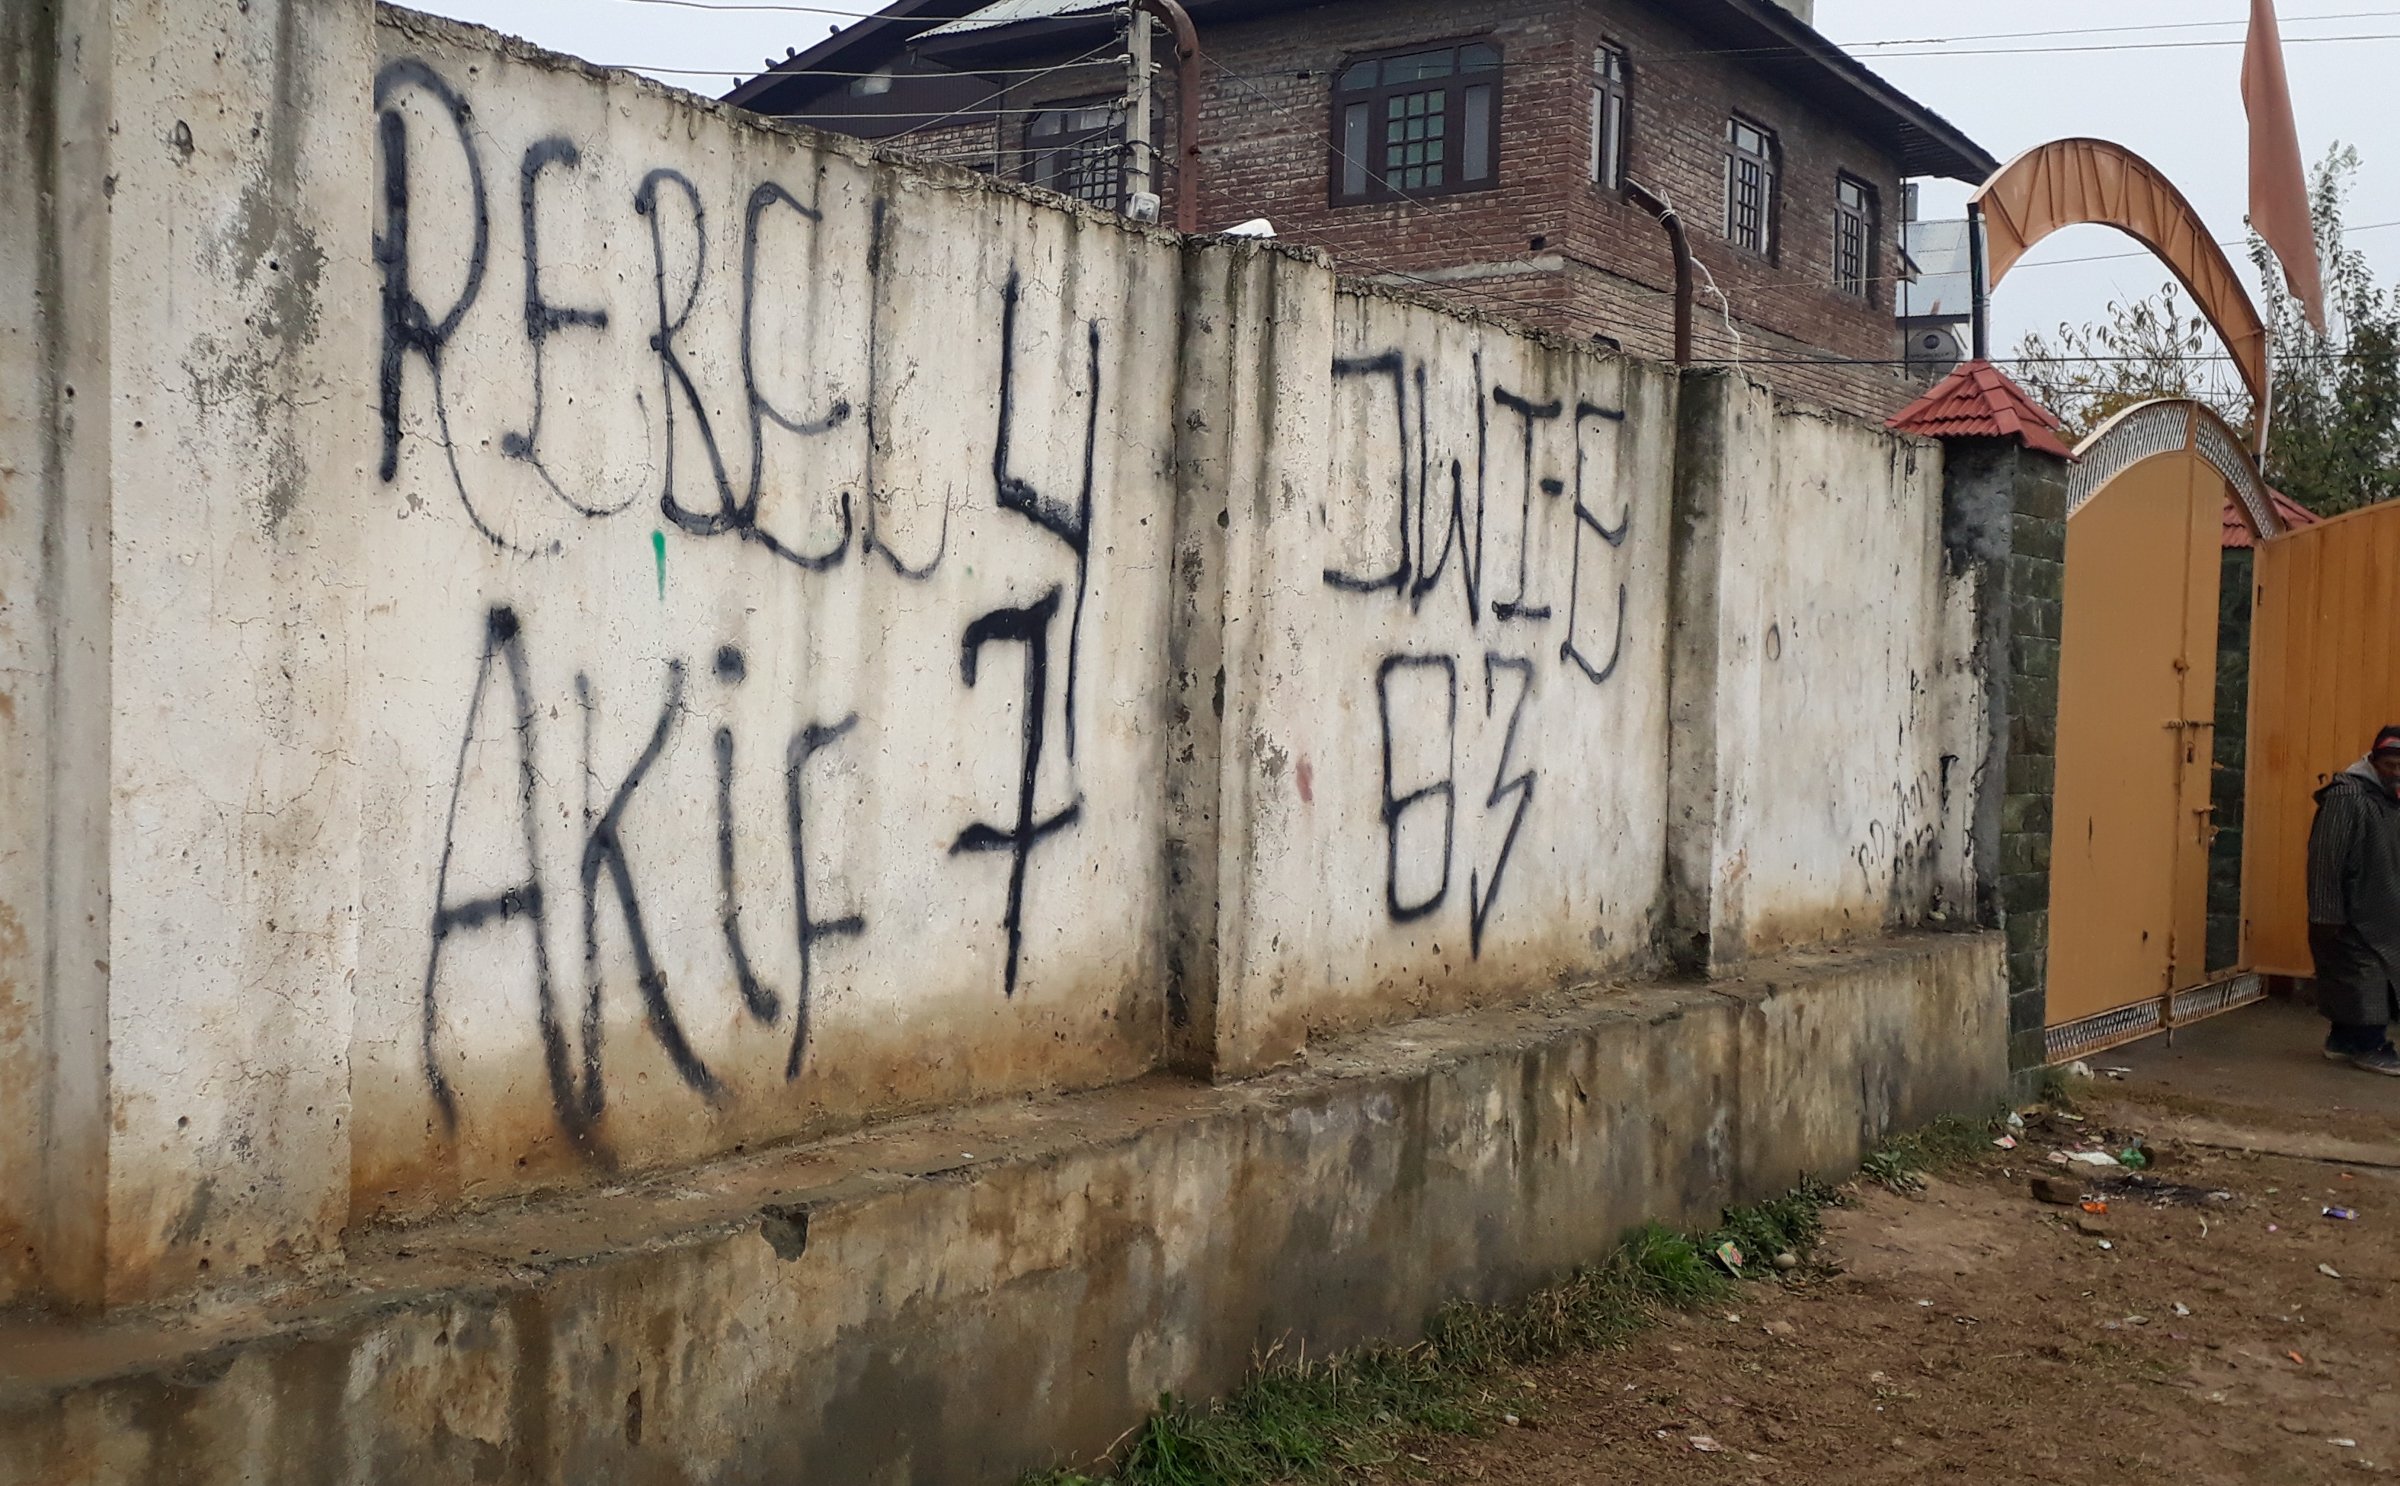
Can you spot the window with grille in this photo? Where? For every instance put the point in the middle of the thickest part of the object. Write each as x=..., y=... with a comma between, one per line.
x=1853, y=236
x=1749, y=186
x=1612, y=115
x=1422, y=123
x=1078, y=150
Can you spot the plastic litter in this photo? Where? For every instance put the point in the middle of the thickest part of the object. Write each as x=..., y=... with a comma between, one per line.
x=1705, y=1445
x=2016, y=1121
x=2006, y=1142
x=2133, y=1158
x=2181, y=1309
x=2329, y=1271
x=2296, y=1357
x=2343, y=1444
x=1729, y=1254
x=2094, y=1158
x=2341, y=1214
x=2095, y=1208
x=2104, y=1243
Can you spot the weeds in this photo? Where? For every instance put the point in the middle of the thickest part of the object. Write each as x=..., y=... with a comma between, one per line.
x=1302, y=1419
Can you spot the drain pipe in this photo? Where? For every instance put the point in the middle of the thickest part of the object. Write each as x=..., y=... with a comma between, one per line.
x=1187, y=101
x=1681, y=242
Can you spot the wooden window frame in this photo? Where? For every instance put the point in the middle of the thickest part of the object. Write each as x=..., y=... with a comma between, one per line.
x=1864, y=223
x=1612, y=92
x=1378, y=188
x=1769, y=159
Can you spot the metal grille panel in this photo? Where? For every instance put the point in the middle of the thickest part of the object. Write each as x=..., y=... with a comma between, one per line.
x=2095, y=1034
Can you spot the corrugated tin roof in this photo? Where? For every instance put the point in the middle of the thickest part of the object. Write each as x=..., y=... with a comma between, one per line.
x=1979, y=401
x=1009, y=12
x=2237, y=531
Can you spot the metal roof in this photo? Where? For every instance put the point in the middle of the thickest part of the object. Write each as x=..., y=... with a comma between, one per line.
x=1760, y=34
x=1009, y=12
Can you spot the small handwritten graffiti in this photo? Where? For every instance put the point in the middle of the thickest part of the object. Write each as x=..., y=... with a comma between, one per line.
x=1439, y=512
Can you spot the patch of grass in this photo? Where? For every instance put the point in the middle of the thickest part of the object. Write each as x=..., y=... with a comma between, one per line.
x=1945, y=1145
x=1302, y=1419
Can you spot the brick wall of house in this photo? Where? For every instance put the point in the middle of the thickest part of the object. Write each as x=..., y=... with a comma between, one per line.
x=1545, y=245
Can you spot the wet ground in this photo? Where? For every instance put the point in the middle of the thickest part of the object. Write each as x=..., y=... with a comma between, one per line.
x=2229, y=1331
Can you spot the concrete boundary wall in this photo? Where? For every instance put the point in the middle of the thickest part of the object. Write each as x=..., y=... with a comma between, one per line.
x=555, y=632
x=960, y=1298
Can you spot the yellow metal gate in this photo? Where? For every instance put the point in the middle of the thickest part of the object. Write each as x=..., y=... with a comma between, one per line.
x=2131, y=820
x=2325, y=674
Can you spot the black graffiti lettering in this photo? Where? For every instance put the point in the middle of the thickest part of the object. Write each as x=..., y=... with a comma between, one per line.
x=1029, y=627
x=764, y=1004
x=1615, y=537
x=409, y=327
x=648, y=201
x=1397, y=806
x=544, y=319
x=604, y=854
x=1529, y=413
x=1390, y=364
x=1070, y=524
x=504, y=648
x=812, y=740
x=1455, y=536
x=762, y=410
x=1504, y=786
x=871, y=524
x=737, y=513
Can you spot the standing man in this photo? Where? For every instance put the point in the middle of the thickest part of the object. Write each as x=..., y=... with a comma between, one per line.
x=2354, y=907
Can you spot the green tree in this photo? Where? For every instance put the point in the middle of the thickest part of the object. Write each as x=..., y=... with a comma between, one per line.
x=2335, y=443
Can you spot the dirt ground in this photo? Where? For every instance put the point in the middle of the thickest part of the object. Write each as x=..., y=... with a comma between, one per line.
x=1973, y=1333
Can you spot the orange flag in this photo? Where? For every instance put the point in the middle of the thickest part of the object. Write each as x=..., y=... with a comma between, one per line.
x=2278, y=181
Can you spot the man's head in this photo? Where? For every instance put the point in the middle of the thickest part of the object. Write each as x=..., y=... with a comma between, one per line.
x=2385, y=755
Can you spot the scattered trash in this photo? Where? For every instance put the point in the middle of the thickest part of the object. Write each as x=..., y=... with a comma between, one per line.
x=2058, y=1158
x=2104, y=1243
x=2133, y=1158
x=2137, y=1320
x=2058, y=1191
x=2329, y=1271
x=2116, y=1072
x=1705, y=1445
x=2341, y=1214
x=2181, y=1309
x=1787, y=1262
x=1729, y=1254
x=2296, y=1357
x=2271, y=1228
x=2006, y=1142
x=1511, y=1420
x=2094, y=1158
x=2072, y=1119
x=2016, y=1121
x=2095, y=1207
x=1734, y=1317
x=2079, y=1069
x=2343, y=1444
x=1925, y=1305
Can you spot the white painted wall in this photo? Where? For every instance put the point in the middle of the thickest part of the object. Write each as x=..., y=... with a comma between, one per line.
x=1845, y=744
x=1450, y=693
x=747, y=576
x=531, y=529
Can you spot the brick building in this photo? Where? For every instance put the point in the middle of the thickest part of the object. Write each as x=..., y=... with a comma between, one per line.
x=1478, y=149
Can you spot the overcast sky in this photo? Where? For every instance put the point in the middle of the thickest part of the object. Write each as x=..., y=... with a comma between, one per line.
x=2161, y=76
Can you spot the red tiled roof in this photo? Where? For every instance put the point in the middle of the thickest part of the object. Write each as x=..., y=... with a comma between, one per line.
x=2237, y=531
x=1979, y=401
